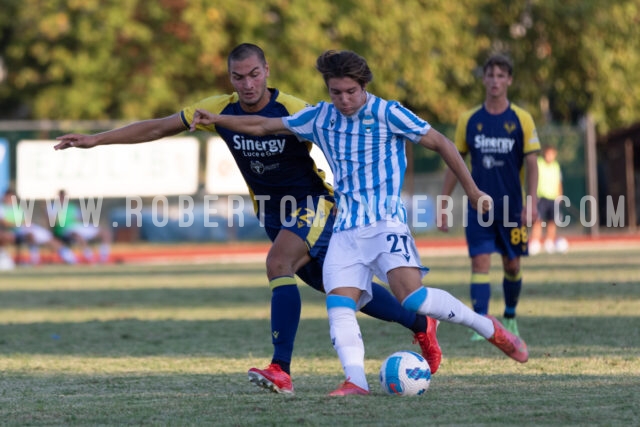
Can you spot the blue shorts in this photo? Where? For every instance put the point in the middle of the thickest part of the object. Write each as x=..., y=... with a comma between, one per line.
x=547, y=210
x=508, y=240
x=312, y=221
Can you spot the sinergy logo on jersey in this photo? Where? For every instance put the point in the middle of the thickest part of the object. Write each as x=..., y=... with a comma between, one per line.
x=258, y=147
x=489, y=144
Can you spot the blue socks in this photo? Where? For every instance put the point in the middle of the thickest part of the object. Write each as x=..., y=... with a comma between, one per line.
x=285, y=317
x=480, y=292
x=511, y=286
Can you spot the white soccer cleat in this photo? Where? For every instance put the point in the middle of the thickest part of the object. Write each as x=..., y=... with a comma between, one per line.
x=549, y=246
x=562, y=246
x=534, y=247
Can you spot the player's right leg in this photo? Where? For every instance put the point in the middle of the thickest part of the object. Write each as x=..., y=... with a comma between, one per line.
x=287, y=254
x=441, y=305
x=481, y=244
x=405, y=281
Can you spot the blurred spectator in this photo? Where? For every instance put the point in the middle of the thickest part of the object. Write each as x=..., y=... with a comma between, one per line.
x=70, y=228
x=6, y=238
x=549, y=192
x=26, y=231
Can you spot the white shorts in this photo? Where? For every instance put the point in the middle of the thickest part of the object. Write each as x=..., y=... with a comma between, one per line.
x=39, y=234
x=356, y=255
x=86, y=232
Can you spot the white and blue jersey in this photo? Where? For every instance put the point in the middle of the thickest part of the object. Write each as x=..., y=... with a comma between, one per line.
x=366, y=152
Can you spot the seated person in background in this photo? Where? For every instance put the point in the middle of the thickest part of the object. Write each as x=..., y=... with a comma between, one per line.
x=25, y=231
x=6, y=238
x=70, y=228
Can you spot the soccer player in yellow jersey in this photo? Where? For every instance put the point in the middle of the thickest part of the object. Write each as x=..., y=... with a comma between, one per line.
x=502, y=141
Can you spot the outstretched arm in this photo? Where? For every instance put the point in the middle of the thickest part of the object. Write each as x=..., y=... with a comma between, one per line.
x=143, y=131
x=439, y=143
x=251, y=125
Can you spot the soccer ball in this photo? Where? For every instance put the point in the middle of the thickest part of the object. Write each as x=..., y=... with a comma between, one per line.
x=405, y=373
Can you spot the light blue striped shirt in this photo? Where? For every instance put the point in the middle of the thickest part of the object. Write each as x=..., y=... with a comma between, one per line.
x=366, y=153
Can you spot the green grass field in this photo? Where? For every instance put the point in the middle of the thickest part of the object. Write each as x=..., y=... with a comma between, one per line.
x=171, y=344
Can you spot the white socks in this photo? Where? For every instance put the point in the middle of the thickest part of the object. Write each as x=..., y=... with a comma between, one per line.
x=443, y=306
x=347, y=340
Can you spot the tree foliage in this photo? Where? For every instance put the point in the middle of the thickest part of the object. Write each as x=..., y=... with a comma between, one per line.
x=127, y=59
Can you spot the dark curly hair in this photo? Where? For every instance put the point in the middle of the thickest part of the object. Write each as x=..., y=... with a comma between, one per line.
x=332, y=64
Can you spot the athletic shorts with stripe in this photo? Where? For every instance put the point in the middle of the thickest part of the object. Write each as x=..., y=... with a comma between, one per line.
x=312, y=220
x=358, y=254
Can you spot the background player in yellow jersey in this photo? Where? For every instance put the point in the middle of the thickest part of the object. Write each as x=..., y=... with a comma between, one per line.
x=549, y=191
x=503, y=143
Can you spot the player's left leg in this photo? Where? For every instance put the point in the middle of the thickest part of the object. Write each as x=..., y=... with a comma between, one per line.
x=513, y=245
x=348, y=284
x=511, y=286
x=287, y=254
x=347, y=341
x=481, y=239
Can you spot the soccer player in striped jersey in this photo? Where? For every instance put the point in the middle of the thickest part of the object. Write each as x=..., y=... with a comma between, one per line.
x=276, y=168
x=502, y=141
x=363, y=137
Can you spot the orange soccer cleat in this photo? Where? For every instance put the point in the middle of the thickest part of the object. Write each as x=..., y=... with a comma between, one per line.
x=509, y=343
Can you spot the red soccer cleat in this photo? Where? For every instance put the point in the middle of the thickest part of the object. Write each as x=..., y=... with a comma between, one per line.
x=349, y=388
x=509, y=343
x=272, y=378
x=429, y=344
